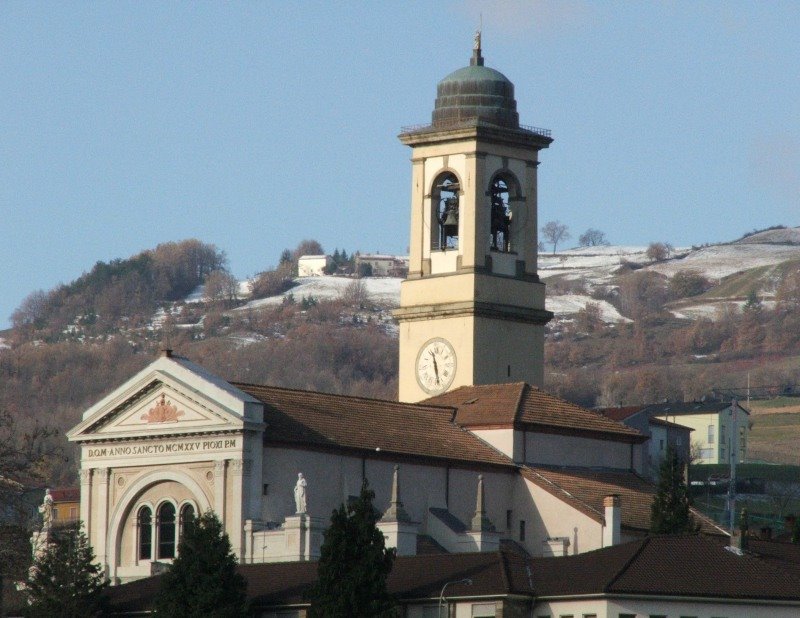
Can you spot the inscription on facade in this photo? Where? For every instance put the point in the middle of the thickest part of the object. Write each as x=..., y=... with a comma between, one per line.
x=164, y=448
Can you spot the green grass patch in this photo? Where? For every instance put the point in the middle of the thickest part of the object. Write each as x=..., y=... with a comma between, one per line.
x=768, y=472
x=777, y=402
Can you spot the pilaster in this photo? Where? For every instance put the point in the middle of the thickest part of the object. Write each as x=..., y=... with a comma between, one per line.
x=219, y=488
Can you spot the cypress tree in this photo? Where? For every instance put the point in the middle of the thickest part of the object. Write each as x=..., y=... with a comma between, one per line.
x=202, y=581
x=65, y=580
x=354, y=564
x=670, y=509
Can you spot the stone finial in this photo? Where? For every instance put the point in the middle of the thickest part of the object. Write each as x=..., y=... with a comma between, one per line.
x=396, y=512
x=480, y=522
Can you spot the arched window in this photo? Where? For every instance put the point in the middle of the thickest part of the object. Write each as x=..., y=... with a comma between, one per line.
x=144, y=524
x=444, y=224
x=186, y=517
x=166, y=530
x=500, y=239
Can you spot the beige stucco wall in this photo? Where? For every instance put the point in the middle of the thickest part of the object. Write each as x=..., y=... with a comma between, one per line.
x=332, y=478
x=549, y=517
x=725, y=430
x=644, y=608
x=553, y=449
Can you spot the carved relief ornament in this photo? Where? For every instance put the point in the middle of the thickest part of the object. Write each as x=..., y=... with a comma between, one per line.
x=162, y=412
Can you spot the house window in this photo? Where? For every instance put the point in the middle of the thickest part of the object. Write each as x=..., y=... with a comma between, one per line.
x=484, y=610
x=187, y=517
x=521, y=529
x=508, y=520
x=711, y=434
x=706, y=453
x=73, y=512
x=661, y=444
x=144, y=524
x=166, y=530
x=265, y=489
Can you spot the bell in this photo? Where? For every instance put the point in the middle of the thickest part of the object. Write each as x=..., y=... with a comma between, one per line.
x=450, y=224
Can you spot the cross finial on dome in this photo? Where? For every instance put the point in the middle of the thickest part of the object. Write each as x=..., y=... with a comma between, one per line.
x=477, y=59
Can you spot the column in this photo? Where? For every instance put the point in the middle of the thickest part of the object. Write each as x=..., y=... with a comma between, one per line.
x=219, y=488
x=101, y=514
x=238, y=468
x=86, y=503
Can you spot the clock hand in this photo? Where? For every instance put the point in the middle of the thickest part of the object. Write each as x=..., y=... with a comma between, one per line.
x=435, y=367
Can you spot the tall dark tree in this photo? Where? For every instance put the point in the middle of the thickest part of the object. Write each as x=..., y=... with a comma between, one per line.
x=202, y=581
x=65, y=580
x=354, y=564
x=670, y=509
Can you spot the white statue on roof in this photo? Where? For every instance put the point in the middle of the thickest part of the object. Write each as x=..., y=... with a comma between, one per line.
x=300, y=494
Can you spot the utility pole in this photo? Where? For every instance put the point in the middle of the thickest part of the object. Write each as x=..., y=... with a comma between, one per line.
x=733, y=434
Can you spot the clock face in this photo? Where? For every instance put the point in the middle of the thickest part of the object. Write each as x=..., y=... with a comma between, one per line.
x=436, y=366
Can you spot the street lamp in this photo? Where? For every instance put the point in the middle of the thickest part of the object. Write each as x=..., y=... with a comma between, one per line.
x=466, y=581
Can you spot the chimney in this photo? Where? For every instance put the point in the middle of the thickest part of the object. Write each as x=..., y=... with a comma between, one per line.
x=612, y=531
x=166, y=353
x=766, y=533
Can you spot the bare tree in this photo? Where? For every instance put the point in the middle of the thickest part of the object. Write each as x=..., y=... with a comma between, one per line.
x=221, y=286
x=355, y=294
x=592, y=238
x=659, y=251
x=554, y=232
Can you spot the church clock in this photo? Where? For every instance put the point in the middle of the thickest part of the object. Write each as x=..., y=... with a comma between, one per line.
x=436, y=366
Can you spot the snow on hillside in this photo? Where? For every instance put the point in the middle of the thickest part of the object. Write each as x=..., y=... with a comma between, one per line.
x=719, y=261
x=569, y=304
x=790, y=235
x=384, y=290
x=596, y=266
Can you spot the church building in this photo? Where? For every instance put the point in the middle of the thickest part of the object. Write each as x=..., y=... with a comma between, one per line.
x=474, y=457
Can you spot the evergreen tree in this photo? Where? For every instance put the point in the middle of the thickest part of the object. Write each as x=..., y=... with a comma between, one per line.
x=65, y=580
x=354, y=564
x=202, y=581
x=670, y=509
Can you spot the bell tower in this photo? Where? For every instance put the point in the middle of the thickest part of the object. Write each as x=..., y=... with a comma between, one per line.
x=472, y=308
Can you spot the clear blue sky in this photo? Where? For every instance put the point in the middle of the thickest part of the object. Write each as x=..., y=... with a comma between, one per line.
x=253, y=125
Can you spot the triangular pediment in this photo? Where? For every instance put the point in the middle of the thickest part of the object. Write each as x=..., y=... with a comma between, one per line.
x=168, y=398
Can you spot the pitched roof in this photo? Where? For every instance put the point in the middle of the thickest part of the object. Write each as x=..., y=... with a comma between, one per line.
x=336, y=421
x=413, y=577
x=620, y=413
x=659, y=566
x=661, y=422
x=670, y=565
x=521, y=404
x=66, y=494
x=585, y=488
x=691, y=407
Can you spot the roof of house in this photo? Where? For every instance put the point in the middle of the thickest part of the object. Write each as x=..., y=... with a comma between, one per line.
x=378, y=426
x=691, y=407
x=620, y=413
x=659, y=566
x=413, y=577
x=520, y=404
x=670, y=565
x=585, y=488
x=662, y=423
x=66, y=494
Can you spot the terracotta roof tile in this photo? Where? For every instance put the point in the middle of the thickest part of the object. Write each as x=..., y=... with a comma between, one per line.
x=585, y=489
x=325, y=420
x=521, y=403
x=670, y=565
x=620, y=413
x=658, y=566
x=66, y=494
x=413, y=577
